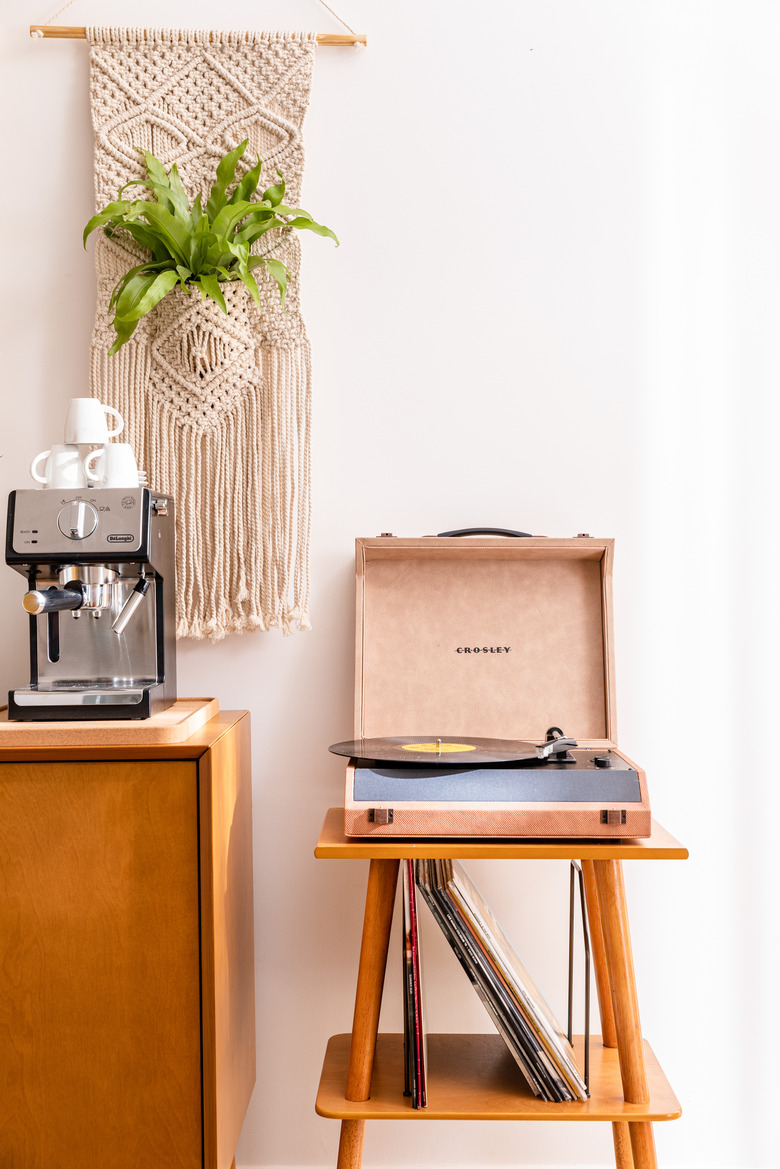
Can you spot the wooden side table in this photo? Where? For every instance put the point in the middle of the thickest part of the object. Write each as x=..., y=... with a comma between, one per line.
x=473, y=1077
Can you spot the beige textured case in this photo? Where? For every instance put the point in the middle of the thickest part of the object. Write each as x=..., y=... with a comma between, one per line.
x=498, y=637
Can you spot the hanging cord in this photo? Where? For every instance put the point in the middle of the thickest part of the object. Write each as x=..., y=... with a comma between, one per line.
x=340, y=19
x=36, y=33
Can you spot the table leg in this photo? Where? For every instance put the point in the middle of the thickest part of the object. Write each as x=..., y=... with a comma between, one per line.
x=351, y=1144
x=620, y=1136
x=621, y=1141
x=625, y=1005
x=599, y=955
x=380, y=899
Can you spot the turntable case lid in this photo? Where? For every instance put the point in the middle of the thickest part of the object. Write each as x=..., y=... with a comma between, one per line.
x=484, y=636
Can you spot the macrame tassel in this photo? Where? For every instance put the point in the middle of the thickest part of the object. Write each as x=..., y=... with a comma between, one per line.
x=218, y=407
x=286, y=475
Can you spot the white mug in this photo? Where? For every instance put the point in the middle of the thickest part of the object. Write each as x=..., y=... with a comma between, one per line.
x=112, y=465
x=61, y=467
x=86, y=422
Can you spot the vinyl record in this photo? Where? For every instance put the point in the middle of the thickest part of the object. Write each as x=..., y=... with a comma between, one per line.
x=447, y=750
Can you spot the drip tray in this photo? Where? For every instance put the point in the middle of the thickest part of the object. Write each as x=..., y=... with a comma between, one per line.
x=77, y=696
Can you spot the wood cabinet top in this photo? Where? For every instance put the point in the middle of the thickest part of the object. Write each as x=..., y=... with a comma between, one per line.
x=196, y=745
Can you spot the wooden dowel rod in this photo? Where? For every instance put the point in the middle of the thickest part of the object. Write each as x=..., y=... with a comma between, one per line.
x=76, y=32
x=60, y=31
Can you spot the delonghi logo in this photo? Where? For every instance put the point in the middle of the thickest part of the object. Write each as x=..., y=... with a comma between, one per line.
x=121, y=538
x=483, y=649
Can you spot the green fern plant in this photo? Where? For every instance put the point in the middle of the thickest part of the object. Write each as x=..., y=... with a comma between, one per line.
x=194, y=247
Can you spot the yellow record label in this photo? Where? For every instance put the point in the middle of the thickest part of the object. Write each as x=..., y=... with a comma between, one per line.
x=438, y=747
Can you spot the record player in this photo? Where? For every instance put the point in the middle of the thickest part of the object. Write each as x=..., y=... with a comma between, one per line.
x=485, y=691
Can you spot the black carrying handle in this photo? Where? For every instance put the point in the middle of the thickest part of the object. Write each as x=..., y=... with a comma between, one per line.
x=483, y=532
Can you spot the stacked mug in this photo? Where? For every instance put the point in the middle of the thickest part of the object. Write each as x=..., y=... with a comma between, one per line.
x=88, y=458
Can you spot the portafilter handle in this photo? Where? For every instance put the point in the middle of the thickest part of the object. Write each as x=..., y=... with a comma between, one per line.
x=54, y=600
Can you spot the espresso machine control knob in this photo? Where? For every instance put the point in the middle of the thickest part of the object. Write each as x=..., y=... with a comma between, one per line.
x=77, y=519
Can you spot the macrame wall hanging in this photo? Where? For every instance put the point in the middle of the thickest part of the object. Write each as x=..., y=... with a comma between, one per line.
x=217, y=407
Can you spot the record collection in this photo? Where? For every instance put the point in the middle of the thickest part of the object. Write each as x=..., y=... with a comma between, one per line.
x=523, y=1018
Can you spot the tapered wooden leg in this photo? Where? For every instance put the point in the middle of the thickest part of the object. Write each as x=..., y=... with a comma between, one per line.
x=620, y=1135
x=643, y=1145
x=380, y=899
x=351, y=1144
x=621, y=1140
x=599, y=956
x=625, y=1006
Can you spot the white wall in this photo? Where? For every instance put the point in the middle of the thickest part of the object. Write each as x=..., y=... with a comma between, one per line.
x=555, y=307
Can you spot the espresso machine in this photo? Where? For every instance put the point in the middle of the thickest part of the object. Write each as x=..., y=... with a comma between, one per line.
x=100, y=570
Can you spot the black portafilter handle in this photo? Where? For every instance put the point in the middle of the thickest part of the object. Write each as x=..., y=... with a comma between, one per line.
x=53, y=600
x=483, y=532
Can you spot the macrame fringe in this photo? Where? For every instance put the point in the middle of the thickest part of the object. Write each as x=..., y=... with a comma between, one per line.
x=241, y=482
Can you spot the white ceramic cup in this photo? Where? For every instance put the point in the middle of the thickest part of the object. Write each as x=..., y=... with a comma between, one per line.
x=62, y=467
x=86, y=422
x=112, y=465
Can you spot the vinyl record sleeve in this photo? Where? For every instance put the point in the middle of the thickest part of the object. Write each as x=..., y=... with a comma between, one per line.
x=406, y=958
x=417, y=1020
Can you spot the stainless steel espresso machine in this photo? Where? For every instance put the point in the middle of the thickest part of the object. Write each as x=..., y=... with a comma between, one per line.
x=100, y=569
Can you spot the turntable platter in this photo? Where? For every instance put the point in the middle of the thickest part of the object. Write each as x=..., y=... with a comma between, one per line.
x=446, y=750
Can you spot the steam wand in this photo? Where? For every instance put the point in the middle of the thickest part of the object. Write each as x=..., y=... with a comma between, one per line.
x=130, y=605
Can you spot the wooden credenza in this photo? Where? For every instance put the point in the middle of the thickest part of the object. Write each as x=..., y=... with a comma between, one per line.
x=127, y=1019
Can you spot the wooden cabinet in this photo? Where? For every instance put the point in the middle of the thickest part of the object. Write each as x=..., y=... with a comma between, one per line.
x=127, y=1028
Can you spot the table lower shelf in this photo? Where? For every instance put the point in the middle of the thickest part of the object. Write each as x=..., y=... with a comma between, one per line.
x=473, y=1077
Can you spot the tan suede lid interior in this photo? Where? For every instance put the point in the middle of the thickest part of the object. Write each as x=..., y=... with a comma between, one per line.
x=497, y=637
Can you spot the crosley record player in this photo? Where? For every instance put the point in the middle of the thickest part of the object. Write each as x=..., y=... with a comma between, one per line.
x=485, y=691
